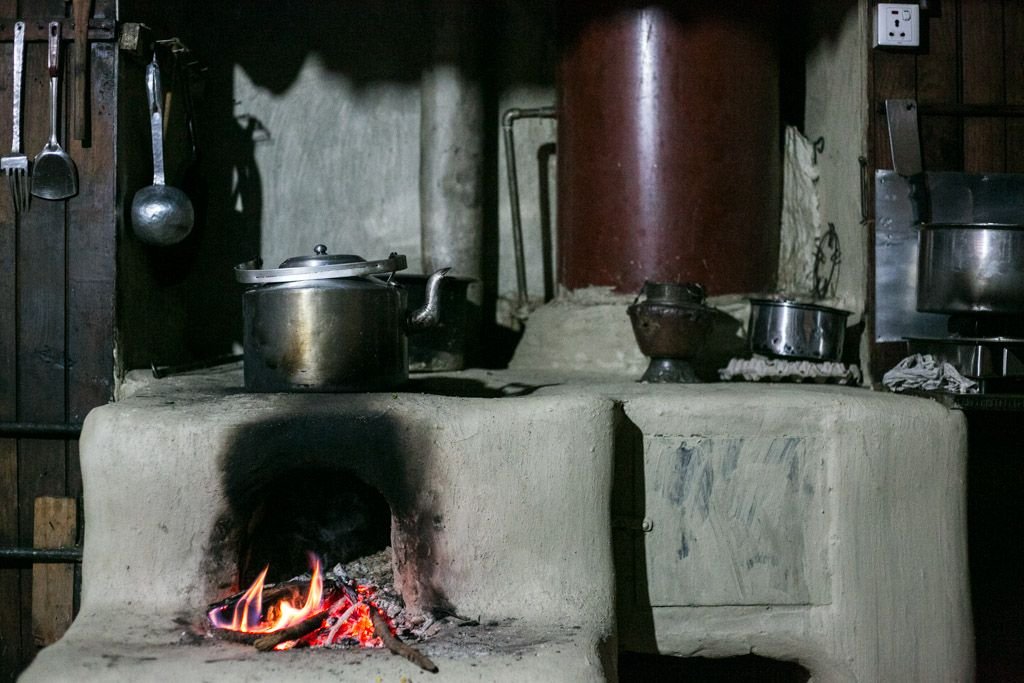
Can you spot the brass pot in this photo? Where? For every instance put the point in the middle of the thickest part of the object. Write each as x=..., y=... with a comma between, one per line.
x=671, y=326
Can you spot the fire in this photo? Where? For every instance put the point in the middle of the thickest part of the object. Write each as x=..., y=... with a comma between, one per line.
x=342, y=618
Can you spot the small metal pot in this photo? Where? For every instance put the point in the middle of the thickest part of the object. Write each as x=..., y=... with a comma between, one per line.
x=970, y=268
x=443, y=347
x=787, y=329
x=326, y=323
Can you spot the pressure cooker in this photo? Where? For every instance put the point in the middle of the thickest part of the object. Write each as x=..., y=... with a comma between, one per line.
x=330, y=323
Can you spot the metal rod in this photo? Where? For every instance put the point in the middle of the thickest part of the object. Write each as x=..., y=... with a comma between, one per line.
x=161, y=371
x=41, y=555
x=967, y=110
x=510, y=117
x=39, y=430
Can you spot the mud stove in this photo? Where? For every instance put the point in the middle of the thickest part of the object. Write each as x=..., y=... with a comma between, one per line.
x=570, y=517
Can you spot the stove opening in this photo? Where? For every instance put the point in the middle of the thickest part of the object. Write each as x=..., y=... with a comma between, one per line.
x=329, y=512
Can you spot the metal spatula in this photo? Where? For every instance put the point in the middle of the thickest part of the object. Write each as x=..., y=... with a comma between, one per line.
x=54, y=175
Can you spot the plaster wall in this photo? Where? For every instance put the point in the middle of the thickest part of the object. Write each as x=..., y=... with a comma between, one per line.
x=836, y=109
x=339, y=164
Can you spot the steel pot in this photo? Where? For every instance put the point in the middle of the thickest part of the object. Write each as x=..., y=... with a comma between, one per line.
x=441, y=348
x=787, y=329
x=327, y=323
x=970, y=268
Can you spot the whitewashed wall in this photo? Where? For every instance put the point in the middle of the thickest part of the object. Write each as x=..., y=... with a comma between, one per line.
x=339, y=165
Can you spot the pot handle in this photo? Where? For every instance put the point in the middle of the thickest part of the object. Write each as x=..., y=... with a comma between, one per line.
x=429, y=315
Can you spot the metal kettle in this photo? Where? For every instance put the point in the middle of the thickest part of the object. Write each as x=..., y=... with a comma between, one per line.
x=328, y=323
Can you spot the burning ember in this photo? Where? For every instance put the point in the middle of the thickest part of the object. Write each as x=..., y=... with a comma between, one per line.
x=338, y=614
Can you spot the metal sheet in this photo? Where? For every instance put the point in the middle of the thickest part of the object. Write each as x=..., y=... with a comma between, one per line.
x=955, y=198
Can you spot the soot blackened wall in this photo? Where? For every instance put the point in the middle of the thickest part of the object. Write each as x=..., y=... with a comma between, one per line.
x=343, y=486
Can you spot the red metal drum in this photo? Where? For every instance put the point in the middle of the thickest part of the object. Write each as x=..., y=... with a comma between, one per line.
x=669, y=145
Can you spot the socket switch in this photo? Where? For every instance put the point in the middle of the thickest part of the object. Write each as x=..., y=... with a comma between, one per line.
x=897, y=24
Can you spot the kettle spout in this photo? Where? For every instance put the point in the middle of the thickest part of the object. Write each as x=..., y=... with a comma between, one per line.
x=430, y=314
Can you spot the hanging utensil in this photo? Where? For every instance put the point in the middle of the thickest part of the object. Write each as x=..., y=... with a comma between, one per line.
x=15, y=164
x=161, y=215
x=54, y=175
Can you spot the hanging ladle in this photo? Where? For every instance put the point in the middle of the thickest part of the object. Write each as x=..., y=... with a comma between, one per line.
x=161, y=215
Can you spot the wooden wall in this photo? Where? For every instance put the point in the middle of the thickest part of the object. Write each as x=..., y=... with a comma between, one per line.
x=968, y=78
x=973, y=55
x=56, y=300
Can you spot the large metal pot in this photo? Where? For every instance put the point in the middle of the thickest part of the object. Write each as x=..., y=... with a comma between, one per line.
x=326, y=323
x=970, y=268
x=799, y=331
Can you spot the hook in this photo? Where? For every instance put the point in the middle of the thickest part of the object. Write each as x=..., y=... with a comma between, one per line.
x=819, y=147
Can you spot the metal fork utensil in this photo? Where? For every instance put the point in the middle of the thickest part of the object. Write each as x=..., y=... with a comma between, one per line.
x=15, y=164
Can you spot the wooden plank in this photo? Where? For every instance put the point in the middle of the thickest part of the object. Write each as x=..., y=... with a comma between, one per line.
x=10, y=598
x=982, y=77
x=1013, y=37
x=938, y=82
x=11, y=613
x=10, y=580
x=42, y=356
x=91, y=268
x=53, y=584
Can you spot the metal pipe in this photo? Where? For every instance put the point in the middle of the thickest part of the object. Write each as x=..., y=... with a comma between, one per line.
x=41, y=555
x=507, y=121
x=39, y=430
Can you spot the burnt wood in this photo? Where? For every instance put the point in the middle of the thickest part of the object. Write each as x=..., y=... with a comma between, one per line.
x=395, y=644
x=271, y=640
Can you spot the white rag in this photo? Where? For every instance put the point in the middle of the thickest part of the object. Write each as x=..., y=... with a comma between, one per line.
x=924, y=372
x=759, y=368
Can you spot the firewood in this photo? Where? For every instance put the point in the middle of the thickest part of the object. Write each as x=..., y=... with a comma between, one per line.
x=390, y=640
x=243, y=637
x=304, y=627
x=393, y=643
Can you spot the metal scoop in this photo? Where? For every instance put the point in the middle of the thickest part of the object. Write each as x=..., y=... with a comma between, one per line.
x=161, y=215
x=54, y=175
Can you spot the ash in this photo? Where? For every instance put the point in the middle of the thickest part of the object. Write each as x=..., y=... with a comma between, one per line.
x=375, y=571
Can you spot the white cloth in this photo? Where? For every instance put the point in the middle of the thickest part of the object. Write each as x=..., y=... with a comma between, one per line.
x=801, y=216
x=759, y=368
x=924, y=372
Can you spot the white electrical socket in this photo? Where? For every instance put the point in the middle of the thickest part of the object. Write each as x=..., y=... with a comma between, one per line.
x=897, y=25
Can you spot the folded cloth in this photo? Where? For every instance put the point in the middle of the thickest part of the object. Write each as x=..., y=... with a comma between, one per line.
x=759, y=368
x=924, y=372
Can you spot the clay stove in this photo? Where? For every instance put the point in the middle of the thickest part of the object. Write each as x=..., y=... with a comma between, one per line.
x=576, y=515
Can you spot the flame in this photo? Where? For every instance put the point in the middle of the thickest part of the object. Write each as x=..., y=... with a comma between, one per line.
x=247, y=617
x=343, y=620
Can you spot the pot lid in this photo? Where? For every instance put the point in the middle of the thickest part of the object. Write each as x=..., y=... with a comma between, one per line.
x=318, y=266
x=320, y=257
